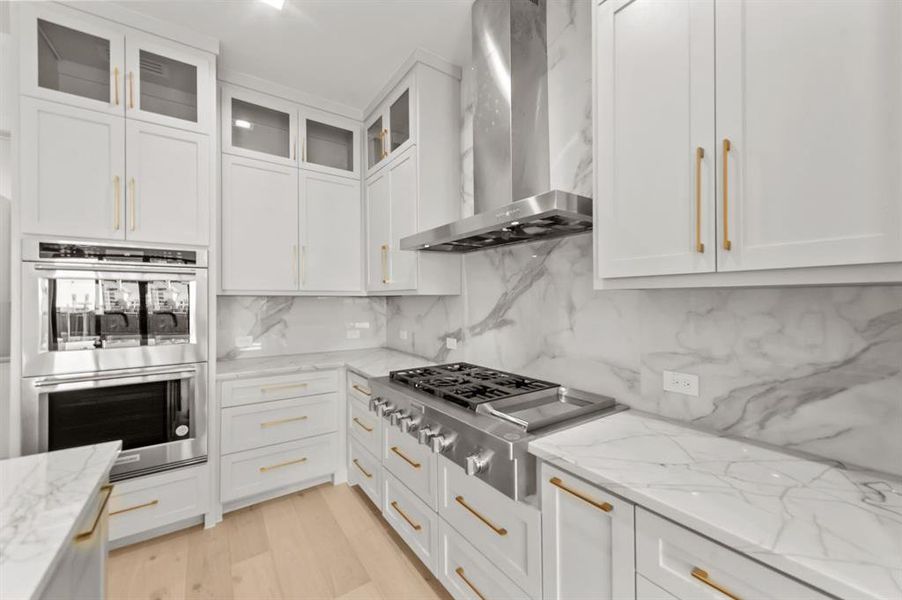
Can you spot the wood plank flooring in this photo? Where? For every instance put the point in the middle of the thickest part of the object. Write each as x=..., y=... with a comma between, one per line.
x=325, y=542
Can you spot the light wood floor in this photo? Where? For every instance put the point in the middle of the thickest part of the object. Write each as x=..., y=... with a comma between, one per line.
x=325, y=542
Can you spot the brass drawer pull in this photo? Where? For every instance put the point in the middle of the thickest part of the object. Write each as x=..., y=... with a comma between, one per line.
x=727, y=244
x=702, y=576
x=362, y=470
x=499, y=530
x=699, y=155
x=284, y=386
x=116, y=84
x=460, y=573
x=384, y=250
x=412, y=463
x=362, y=390
x=135, y=507
x=362, y=426
x=284, y=464
x=605, y=506
x=416, y=526
x=107, y=491
x=282, y=421
x=131, y=89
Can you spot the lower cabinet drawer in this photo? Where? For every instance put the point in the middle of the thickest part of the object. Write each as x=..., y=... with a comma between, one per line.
x=689, y=566
x=365, y=426
x=415, y=522
x=507, y=532
x=264, y=469
x=257, y=425
x=365, y=470
x=413, y=463
x=358, y=387
x=277, y=387
x=146, y=503
x=466, y=573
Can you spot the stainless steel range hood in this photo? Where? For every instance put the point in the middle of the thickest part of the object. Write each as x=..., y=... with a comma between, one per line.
x=513, y=196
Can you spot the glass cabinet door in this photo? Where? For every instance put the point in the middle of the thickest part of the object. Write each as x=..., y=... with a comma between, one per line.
x=258, y=126
x=375, y=143
x=328, y=143
x=399, y=120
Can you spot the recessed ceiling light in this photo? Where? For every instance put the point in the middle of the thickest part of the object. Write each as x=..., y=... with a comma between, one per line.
x=243, y=124
x=276, y=4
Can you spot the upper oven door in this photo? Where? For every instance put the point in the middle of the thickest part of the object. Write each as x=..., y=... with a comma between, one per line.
x=85, y=318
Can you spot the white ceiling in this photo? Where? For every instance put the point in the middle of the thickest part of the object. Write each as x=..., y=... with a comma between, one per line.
x=341, y=50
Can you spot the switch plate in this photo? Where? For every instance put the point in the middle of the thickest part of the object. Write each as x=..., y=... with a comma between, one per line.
x=681, y=383
x=353, y=334
x=451, y=343
x=403, y=334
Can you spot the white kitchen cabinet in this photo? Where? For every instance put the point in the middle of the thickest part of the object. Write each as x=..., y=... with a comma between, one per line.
x=329, y=143
x=391, y=129
x=330, y=233
x=259, y=126
x=378, y=231
x=259, y=225
x=168, y=191
x=72, y=163
x=587, y=539
x=415, y=522
x=392, y=215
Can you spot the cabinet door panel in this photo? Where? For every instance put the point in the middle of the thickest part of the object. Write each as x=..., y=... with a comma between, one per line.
x=330, y=233
x=810, y=96
x=259, y=225
x=168, y=184
x=403, y=194
x=73, y=171
x=378, y=228
x=258, y=126
x=655, y=110
x=329, y=143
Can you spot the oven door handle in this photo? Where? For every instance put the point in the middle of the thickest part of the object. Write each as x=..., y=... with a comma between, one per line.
x=128, y=270
x=137, y=374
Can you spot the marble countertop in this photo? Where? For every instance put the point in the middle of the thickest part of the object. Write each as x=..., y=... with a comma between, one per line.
x=839, y=530
x=369, y=362
x=43, y=497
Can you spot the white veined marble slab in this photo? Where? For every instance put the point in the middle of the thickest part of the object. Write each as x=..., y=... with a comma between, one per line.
x=836, y=529
x=370, y=362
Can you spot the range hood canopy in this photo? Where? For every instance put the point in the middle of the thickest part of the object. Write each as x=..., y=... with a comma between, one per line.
x=511, y=166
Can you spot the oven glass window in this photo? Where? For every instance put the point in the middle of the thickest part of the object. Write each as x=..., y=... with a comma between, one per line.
x=143, y=414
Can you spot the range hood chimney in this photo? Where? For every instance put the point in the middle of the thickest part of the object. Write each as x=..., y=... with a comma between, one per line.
x=512, y=191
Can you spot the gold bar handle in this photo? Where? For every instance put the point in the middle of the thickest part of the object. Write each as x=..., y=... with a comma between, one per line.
x=699, y=155
x=266, y=424
x=283, y=386
x=605, y=506
x=287, y=463
x=107, y=491
x=462, y=575
x=131, y=89
x=131, y=212
x=384, y=263
x=383, y=136
x=362, y=390
x=362, y=426
x=727, y=244
x=116, y=85
x=135, y=507
x=409, y=461
x=362, y=470
x=416, y=526
x=702, y=575
x=499, y=530
x=117, y=207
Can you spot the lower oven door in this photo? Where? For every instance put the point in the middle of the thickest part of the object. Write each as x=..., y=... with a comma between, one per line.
x=159, y=413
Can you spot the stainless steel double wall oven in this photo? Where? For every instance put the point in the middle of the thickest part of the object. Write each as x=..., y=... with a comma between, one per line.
x=114, y=347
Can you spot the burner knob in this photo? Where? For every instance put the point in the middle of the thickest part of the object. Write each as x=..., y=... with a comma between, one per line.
x=425, y=434
x=408, y=424
x=386, y=409
x=397, y=416
x=375, y=403
x=477, y=463
x=439, y=443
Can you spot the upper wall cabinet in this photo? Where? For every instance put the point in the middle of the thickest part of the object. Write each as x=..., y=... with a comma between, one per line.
x=329, y=143
x=391, y=128
x=748, y=143
x=259, y=126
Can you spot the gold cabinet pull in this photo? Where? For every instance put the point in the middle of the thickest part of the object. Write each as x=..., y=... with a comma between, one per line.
x=384, y=250
x=699, y=155
x=131, y=212
x=463, y=576
x=727, y=244
x=282, y=386
x=362, y=390
x=135, y=507
x=116, y=85
x=499, y=530
x=117, y=207
x=362, y=470
x=131, y=89
x=412, y=463
x=266, y=424
x=382, y=137
x=605, y=506
x=107, y=491
x=702, y=575
x=362, y=426
x=416, y=526
x=287, y=463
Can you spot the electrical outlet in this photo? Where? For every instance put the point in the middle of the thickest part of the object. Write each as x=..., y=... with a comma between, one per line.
x=451, y=343
x=362, y=325
x=243, y=341
x=403, y=334
x=353, y=334
x=681, y=383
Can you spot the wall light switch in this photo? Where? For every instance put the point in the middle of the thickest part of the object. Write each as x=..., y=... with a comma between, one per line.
x=681, y=383
x=353, y=334
x=403, y=334
x=451, y=343
x=362, y=325
x=243, y=341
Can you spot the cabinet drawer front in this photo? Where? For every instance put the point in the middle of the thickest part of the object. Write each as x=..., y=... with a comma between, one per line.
x=466, y=573
x=365, y=470
x=358, y=387
x=688, y=565
x=256, y=471
x=264, y=389
x=146, y=503
x=416, y=523
x=414, y=464
x=257, y=425
x=507, y=532
x=365, y=427
x=646, y=590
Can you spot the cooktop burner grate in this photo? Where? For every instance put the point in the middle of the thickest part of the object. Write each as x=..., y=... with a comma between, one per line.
x=468, y=385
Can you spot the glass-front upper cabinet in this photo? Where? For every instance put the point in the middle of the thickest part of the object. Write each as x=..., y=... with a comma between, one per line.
x=70, y=57
x=169, y=83
x=258, y=126
x=392, y=127
x=399, y=120
x=328, y=143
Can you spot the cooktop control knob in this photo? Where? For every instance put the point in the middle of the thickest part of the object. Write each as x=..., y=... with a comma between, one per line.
x=477, y=463
x=386, y=409
x=425, y=434
x=439, y=443
x=408, y=424
x=396, y=416
x=376, y=402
